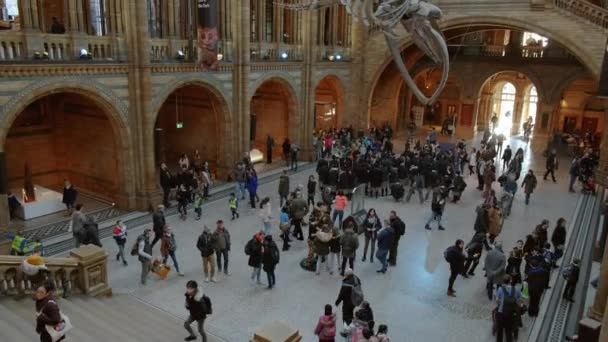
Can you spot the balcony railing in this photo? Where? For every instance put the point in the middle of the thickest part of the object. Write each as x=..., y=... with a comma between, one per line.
x=266, y=52
x=526, y=52
x=586, y=10
x=17, y=46
x=333, y=53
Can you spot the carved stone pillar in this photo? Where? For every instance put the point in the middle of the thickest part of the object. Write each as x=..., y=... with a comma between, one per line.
x=357, y=111
x=35, y=14
x=25, y=15
x=80, y=15
x=73, y=15
x=240, y=78
x=596, y=311
x=141, y=118
x=93, y=271
x=483, y=108
x=546, y=118
x=307, y=113
x=602, y=171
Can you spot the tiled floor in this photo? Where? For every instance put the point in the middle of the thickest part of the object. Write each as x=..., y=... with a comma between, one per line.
x=410, y=298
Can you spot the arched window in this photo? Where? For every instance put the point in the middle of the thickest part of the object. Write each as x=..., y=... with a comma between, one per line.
x=504, y=104
x=534, y=39
x=531, y=104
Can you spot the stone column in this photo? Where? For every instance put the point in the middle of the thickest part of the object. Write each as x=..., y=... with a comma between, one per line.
x=602, y=169
x=4, y=190
x=356, y=112
x=73, y=15
x=307, y=111
x=518, y=106
x=93, y=270
x=141, y=118
x=484, y=106
x=552, y=120
x=35, y=14
x=240, y=79
x=80, y=15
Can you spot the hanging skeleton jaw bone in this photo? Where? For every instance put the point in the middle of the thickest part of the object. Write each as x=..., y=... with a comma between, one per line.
x=418, y=17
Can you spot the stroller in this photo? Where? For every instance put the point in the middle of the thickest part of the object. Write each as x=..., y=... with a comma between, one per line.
x=588, y=184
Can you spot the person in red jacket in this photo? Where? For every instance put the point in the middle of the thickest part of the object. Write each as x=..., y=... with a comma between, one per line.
x=326, y=327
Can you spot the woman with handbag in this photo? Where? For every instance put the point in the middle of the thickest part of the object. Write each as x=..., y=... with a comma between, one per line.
x=326, y=327
x=51, y=325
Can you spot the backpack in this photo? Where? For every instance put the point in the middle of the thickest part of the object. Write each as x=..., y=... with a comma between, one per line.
x=448, y=255
x=400, y=228
x=567, y=272
x=206, y=302
x=509, y=303
x=356, y=295
x=135, y=248
x=275, y=254
x=249, y=247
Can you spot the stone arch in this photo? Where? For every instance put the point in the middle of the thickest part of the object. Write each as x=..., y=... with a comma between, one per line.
x=224, y=121
x=112, y=109
x=294, y=119
x=485, y=76
x=282, y=77
x=338, y=84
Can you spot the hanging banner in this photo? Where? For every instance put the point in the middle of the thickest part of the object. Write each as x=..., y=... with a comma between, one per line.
x=207, y=35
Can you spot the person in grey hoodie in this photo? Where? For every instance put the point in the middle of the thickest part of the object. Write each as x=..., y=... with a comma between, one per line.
x=77, y=225
x=144, y=252
x=495, y=264
x=283, y=187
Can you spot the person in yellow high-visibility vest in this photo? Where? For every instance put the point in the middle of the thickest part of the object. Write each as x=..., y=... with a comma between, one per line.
x=20, y=245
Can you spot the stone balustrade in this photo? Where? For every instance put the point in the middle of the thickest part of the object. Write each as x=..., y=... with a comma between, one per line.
x=19, y=46
x=263, y=51
x=584, y=9
x=83, y=272
x=333, y=53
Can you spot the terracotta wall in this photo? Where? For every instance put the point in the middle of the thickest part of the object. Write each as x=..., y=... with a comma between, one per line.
x=75, y=140
x=577, y=103
x=197, y=111
x=272, y=114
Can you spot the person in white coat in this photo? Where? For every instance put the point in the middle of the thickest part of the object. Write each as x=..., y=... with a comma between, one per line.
x=265, y=214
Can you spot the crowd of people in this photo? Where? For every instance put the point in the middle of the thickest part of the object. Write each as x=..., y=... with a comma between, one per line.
x=349, y=159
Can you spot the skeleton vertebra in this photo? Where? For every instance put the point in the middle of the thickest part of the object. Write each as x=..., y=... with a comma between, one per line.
x=418, y=17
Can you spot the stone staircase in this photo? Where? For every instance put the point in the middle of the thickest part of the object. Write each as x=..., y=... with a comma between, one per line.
x=118, y=318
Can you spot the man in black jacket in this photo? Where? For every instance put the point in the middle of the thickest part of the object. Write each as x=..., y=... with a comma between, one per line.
x=158, y=223
x=537, y=279
x=199, y=306
x=455, y=256
x=551, y=165
x=399, y=228
x=206, y=245
x=571, y=275
x=166, y=182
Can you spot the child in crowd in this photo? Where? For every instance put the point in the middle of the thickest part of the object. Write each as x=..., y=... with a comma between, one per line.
x=233, y=203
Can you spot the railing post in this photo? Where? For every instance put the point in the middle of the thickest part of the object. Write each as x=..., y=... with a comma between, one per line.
x=92, y=264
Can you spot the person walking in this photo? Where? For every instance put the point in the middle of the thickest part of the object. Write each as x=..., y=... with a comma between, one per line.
x=283, y=187
x=47, y=311
x=399, y=228
x=233, y=204
x=507, y=311
x=166, y=183
x=321, y=241
x=206, y=244
x=119, y=233
x=221, y=237
x=571, y=274
x=340, y=203
x=349, y=242
x=345, y=296
x=551, y=165
x=240, y=176
x=474, y=249
x=297, y=210
x=575, y=171
x=437, y=208
x=284, y=226
x=506, y=157
x=158, y=223
x=269, y=146
x=495, y=264
x=265, y=214
x=255, y=249
x=455, y=257
x=198, y=306
x=372, y=224
x=386, y=236
x=69, y=197
x=144, y=254
x=558, y=239
x=270, y=259
x=537, y=280
x=334, y=251
x=529, y=184
x=286, y=146
x=79, y=219
x=417, y=184
x=252, y=187
x=326, y=326
x=293, y=150
x=198, y=205
x=168, y=246
x=312, y=189
x=183, y=198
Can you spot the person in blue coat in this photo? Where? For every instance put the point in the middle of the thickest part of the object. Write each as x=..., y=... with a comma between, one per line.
x=385, y=240
x=252, y=186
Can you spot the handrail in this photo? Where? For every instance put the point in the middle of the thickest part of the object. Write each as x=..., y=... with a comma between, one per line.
x=586, y=10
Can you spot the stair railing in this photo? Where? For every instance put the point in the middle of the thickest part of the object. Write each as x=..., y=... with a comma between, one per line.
x=586, y=10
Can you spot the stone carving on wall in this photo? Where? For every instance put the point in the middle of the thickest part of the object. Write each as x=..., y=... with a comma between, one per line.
x=418, y=17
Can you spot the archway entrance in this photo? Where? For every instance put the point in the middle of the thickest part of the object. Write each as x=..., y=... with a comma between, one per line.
x=191, y=118
x=328, y=104
x=272, y=106
x=510, y=96
x=65, y=136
